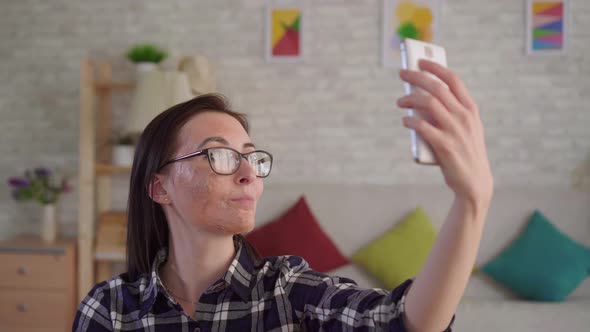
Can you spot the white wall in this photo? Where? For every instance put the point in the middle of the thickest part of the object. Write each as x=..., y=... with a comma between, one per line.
x=330, y=119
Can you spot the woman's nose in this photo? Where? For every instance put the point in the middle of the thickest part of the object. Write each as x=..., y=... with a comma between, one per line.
x=246, y=173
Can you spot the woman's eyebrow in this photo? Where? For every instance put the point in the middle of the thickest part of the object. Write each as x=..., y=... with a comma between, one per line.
x=213, y=139
x=222, y=141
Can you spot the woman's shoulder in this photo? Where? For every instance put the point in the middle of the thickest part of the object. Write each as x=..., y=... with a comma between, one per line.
x=119, y=296
x=296, y=269
x=121, y=280
x=120, y=288
x=282, y=265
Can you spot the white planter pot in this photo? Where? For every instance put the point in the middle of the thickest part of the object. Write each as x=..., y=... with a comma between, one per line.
x=143, y=67
x=123, y=155
x=49, y=223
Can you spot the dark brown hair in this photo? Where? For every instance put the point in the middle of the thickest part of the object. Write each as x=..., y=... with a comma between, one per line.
x=147, y=228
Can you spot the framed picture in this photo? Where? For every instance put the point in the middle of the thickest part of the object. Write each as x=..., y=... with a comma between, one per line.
x=547, y=26
x=416, y=19
x=284, y=40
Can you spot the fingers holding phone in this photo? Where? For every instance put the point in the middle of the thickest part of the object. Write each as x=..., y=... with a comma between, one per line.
x=412, y=51
x=444, y=121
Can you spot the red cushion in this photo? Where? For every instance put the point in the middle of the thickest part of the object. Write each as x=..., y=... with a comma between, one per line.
x=297, y=232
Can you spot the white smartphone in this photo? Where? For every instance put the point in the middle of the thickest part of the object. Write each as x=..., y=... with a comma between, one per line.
x=411, y=52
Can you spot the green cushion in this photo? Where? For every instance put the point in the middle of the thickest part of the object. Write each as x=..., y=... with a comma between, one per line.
x=399, y=253
x=542, y=264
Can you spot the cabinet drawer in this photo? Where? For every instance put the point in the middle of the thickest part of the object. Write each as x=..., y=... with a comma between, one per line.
x=33, y=308
x=6, y=328
x=33, y=270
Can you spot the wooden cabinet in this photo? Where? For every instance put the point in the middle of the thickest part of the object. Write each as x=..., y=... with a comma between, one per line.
x=37, y=285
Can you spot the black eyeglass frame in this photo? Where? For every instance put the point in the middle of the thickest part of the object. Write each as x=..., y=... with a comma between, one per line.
x=206, y=152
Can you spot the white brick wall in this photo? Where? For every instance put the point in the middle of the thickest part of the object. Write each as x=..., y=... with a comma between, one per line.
x=331, y=119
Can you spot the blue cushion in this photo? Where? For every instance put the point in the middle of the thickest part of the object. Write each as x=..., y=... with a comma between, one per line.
x=542, y=264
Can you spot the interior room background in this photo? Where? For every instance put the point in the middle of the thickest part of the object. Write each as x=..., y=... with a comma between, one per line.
x=330, y=119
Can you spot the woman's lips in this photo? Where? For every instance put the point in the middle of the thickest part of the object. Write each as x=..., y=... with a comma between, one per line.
x=244, y=201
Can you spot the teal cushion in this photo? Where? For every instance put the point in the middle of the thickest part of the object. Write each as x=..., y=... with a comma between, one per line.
x=542, y=264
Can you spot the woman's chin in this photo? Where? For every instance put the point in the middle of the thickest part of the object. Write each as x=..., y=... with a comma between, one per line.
x=247, y=226
x=239, y=225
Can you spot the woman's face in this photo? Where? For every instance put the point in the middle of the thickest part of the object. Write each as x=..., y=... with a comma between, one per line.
x=196, y=194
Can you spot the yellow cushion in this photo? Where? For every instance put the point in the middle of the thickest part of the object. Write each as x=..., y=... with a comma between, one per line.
x=400, y=253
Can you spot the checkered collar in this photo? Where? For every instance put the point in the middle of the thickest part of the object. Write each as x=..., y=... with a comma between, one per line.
x=240, y=277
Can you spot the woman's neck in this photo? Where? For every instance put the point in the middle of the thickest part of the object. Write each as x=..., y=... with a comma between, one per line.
x=195, y=261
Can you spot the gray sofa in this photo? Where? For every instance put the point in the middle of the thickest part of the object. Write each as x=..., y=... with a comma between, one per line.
x=353, y=215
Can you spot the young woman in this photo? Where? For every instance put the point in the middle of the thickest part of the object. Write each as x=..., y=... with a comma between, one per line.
x=195, y=182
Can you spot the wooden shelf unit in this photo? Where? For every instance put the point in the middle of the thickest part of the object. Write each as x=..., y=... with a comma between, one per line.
x=96, y=91
x=108, y=169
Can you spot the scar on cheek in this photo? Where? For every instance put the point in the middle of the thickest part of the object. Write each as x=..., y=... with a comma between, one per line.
x=219, y=227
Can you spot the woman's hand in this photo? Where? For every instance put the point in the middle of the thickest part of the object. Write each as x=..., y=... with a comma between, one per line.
x=456, y=133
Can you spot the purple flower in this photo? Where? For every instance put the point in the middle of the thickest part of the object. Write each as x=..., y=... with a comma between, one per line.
x=37, y=185
x=18, y=182
x=42, y=171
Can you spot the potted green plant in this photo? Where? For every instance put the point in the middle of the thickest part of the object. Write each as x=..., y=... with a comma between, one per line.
x=123, y=149
x=44, y=187
x=146, y=56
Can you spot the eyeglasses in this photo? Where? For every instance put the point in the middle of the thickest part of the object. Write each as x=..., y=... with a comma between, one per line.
x=226, y=161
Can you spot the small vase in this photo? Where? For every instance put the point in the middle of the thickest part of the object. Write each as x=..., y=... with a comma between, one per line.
x=123, y=155
x=144, y=67
x=49, y=223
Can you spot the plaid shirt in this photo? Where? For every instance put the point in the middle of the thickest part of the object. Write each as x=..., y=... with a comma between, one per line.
x=275, y=294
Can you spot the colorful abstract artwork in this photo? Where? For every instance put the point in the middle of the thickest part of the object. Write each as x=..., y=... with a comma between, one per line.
x=416, y=19
x=546, y=26
x=284, y=32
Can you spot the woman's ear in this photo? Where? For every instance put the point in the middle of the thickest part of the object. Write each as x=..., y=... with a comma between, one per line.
x=156, y=190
